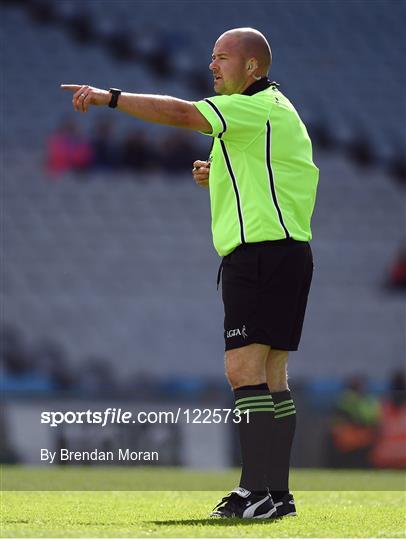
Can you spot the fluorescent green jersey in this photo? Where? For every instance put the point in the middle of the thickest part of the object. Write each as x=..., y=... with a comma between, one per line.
x=262, y=180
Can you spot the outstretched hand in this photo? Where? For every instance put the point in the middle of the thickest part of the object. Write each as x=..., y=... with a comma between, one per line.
x=85, y=95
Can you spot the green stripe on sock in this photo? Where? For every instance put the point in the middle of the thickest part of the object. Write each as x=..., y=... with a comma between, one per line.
x=256, y=404
x=256, y=398
x=284, y=402
x=252, y=410
x=285, y=414
x=284, y=409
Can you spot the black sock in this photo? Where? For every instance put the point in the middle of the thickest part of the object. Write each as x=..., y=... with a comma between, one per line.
x=283, y=431
x=254, y=431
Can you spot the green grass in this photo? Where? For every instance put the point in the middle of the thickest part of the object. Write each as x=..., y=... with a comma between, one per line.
x=79, y=478
x=184, y=514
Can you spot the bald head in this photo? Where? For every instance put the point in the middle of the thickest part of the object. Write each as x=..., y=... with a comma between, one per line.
x=251, y=44
x=240, y=57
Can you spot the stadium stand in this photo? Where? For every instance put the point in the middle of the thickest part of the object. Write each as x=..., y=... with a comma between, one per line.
x=354, y=89
x=125, y=270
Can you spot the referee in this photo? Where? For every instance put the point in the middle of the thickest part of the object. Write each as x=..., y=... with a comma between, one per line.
x=262, y=183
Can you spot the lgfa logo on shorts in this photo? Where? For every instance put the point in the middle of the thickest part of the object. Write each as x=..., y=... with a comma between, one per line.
x=237, y=332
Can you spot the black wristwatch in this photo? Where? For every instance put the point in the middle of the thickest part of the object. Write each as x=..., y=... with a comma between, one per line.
x=115, y=93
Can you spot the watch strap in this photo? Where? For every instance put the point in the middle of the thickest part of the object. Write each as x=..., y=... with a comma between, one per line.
x=115, y=94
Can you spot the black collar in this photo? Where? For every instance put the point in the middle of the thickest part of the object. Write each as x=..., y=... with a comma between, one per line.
x=258, y=86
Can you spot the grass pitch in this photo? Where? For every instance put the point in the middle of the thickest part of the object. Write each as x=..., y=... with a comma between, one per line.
x=185, y=514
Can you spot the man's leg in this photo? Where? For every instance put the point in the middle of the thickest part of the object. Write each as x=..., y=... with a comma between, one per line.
x=283, y=426
x=245, y=370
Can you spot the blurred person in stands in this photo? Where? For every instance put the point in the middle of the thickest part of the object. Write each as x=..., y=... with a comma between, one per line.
x=51, y=361
x=397, y=271
x=390, y=448
x=14, y=356
x=137, y=152
x=97, y=376
x=177, y=152
x=105, y=153
x=262, y=183
x=354, y=425
x=67, y=150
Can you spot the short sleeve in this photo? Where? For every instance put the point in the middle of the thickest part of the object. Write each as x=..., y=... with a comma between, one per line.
x=236, y=118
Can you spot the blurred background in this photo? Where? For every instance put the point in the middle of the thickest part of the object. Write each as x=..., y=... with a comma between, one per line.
x=108, y=274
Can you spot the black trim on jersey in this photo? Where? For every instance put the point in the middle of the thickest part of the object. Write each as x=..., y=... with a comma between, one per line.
x=258, y=86
x=237, y=195
x=211, y=146
x=219, y=115
x=271, y=179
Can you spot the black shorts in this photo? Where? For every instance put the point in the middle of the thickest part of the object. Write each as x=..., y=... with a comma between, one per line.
x=265, y=288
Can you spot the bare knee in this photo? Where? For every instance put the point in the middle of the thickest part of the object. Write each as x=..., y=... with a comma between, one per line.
x=245, y=366
x=276, y=370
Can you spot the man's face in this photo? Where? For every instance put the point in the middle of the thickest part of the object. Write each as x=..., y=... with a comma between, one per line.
x=228, y=67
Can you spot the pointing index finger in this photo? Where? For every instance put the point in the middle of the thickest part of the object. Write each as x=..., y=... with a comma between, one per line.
x=73, y=87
